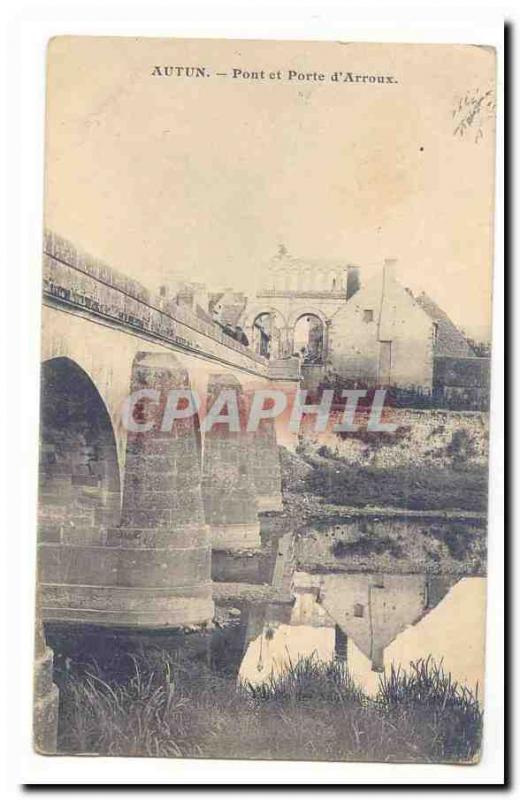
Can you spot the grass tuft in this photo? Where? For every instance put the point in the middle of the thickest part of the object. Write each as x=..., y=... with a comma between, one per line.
x=309, y=678
x=453, y=711
x=166, y=706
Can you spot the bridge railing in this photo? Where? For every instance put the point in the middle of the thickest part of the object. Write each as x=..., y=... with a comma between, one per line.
x=74, y=277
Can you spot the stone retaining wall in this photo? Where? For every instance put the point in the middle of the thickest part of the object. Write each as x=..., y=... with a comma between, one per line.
x=439, y=437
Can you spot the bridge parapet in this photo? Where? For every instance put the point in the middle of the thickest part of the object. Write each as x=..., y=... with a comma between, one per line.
x=88, y=286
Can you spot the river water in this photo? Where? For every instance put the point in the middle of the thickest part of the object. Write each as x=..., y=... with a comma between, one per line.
x=379, y=620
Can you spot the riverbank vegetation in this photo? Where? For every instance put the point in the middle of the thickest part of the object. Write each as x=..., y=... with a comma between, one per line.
x=371, y=519
x=322, y=475
x=160, y=705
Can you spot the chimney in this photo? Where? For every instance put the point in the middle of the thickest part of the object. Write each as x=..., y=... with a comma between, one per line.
x=340, y=645
x=378, y=658
x=186, y=295
x=352, y=280
x=390, y=267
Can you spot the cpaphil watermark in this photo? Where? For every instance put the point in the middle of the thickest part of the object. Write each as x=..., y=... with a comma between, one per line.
x=148, y=409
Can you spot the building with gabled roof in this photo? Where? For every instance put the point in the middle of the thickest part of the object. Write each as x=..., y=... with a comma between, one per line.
x=373, y=609
x=448, y=339
x=344, y=325
x=385, y=336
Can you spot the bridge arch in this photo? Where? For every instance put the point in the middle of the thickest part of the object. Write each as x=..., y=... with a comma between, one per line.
x=79, y=477
x=104, y=357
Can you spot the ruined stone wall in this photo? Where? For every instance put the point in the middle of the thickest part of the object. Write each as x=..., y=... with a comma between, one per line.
x=467, y=379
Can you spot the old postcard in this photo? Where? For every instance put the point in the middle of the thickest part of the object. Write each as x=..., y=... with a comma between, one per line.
x=265, y=367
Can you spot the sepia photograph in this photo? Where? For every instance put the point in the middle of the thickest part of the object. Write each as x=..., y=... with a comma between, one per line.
x=265, y=392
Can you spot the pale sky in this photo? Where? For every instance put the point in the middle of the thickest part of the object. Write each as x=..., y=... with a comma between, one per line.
x=207, y=176
x=452, y=633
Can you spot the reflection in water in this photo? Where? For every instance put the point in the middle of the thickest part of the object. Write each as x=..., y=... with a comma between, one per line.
x=374, y=609
x=376, y=620
x=274, y=642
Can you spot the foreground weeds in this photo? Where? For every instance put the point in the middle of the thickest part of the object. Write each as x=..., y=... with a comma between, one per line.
x=450, y=712
x=313, y=710
x=308, y=679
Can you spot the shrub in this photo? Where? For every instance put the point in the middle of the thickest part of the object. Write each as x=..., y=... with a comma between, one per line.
x=461, y=448
x=366, y=545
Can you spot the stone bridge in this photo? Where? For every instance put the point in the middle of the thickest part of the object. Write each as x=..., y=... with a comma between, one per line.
x=128, y=520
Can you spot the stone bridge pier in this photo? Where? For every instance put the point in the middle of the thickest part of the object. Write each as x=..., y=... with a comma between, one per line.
x=141, y=557
x=128, y=518
x=228, y=479
x=162, y=545
x=152, y=567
